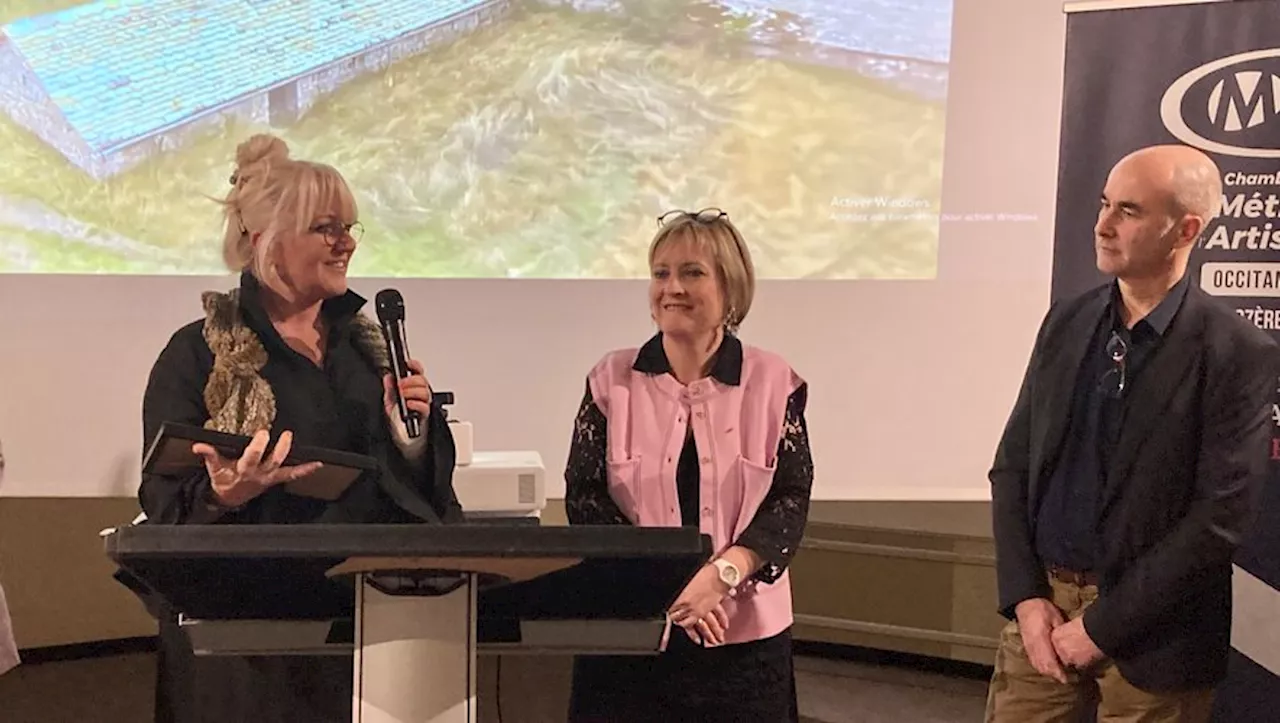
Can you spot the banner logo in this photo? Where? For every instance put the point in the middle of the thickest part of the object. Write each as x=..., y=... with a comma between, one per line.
x=1229, y=106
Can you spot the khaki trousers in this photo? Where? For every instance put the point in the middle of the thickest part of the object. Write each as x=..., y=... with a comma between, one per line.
x=1020, y=694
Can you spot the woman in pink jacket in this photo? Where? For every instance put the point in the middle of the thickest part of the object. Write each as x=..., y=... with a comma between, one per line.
x=697, y=429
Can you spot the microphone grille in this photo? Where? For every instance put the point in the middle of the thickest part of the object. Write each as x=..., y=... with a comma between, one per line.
x=390, y=305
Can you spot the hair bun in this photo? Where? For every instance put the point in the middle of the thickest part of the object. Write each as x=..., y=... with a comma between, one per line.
x=260, y=149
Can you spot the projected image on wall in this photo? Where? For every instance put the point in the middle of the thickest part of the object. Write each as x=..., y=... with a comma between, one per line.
x=483, y=138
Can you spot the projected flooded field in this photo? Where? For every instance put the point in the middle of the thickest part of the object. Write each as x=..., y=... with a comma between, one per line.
x=482, y=138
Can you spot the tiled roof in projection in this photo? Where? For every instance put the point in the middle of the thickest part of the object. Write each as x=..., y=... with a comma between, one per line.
x=121, y=69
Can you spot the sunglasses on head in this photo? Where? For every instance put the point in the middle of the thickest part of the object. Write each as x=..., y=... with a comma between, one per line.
x=706, y=215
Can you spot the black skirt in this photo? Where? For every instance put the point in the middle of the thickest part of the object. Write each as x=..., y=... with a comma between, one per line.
x=262, y=689
x=745, y=683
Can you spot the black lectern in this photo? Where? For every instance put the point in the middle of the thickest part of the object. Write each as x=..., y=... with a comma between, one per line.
x=413, y=603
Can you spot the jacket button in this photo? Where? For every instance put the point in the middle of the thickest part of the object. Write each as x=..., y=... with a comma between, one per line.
x=699, y=415
x=706, y=460
x=706, y=511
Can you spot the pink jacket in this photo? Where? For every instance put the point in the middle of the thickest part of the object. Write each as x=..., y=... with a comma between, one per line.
x=737, y=430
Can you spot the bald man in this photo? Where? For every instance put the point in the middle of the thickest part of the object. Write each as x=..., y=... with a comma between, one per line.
x=1129, y=469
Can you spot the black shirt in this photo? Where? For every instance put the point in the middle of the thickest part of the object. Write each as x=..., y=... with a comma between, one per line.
x=337, y=405
x=1066, y=526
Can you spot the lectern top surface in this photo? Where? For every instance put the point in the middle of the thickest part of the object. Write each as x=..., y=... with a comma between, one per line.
x=343, y=541
x=283, y=571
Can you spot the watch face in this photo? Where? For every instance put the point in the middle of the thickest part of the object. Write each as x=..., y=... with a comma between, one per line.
x=729, y=574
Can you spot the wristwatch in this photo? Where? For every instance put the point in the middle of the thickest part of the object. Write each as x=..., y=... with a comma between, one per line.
x=729, y=572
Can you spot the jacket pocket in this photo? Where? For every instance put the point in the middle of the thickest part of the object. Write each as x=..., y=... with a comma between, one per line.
x=756, y=480
x=624, y=487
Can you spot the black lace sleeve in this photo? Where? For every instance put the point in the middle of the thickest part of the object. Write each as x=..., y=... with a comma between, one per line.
x=775, y=531
x=587, y=500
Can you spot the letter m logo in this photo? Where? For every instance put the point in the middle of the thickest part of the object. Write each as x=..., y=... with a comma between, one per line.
x=1245, y=99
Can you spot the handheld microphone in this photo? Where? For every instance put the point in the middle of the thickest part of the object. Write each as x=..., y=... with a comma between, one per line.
x=390, y=306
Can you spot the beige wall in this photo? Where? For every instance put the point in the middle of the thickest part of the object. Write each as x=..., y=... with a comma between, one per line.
x=914, y=577
x=57, y=578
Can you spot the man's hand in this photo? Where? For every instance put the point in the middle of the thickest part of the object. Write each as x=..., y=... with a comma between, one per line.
x=1074, y=646
x=1037, y=620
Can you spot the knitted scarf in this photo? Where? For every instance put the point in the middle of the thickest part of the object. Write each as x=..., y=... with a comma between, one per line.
x=239, y=400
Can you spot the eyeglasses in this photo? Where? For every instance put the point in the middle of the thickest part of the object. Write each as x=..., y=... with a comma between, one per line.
x=336, y=231
x=1113, y=382
x=705, y=216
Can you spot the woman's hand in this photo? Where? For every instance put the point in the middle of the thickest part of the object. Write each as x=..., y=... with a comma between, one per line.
x=698, y=600
x=236, y=481
x=416, y=391
x=710, y=631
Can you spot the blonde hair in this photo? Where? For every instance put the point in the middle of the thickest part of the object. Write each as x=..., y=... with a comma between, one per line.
x=713, y=232
x=272, y=194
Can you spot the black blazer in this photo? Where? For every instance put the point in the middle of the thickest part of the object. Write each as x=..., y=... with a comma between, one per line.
x=1181, y=489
